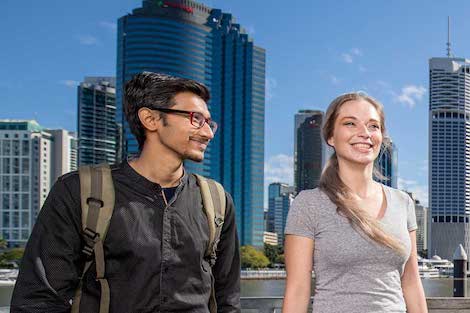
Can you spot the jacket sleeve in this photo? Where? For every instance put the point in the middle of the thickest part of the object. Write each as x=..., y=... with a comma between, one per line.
x=226, y=270
x=49, y=271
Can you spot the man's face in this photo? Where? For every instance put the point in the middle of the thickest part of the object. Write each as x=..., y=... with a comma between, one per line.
x=178, y=135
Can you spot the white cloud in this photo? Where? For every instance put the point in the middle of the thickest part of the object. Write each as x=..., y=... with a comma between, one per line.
x=278, y=168
x=347, y=57
x=410, y=94
x=356, y=51
x=271, y=84
x=109, y=25
x=69, y=83
x=88, y=40
x=420, y=192
x=335, y=80
x=362, y=69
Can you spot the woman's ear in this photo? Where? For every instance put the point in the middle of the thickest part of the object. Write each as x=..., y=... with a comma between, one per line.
x=331, y=142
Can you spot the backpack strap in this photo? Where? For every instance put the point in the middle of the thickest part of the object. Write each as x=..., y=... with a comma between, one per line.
x=213, y=201
x=97, y=202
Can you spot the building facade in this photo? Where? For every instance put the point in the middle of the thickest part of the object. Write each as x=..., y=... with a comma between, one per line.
x=188, y=39
x=387, y=163
x=97, y=127
x=422, y=231
x=280, y=197
x=449, y=155
x=65, y=152
x=30, y=157
x=310, y=151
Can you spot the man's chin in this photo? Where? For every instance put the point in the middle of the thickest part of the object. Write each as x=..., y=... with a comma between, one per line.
x=196, y=157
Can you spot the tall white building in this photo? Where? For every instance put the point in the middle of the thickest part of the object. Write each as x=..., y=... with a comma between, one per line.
x=449, y=155
x=65, y=153
x=28, y=158
x=422, y=231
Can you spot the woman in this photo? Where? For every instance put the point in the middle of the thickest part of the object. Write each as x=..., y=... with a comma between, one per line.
x=359, y=235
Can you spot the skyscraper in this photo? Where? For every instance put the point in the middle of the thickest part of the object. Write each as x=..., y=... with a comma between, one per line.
x=190, y=40
x=65, y=150
x=449, y=155
x=280, y=197
x=30, y=157
x=422, y=231
x=97, y=128
x=309, y=149
x=387, y=162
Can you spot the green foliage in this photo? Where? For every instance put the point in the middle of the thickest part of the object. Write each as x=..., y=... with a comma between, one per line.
x=3, y=244
x=11, y=258
x=272, y=253
x=275, y=254
x=252, y=258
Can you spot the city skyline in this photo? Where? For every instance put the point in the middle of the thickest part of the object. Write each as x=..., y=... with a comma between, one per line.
x=318, y=53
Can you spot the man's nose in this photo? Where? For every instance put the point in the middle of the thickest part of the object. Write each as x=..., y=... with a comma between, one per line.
x=206, y=131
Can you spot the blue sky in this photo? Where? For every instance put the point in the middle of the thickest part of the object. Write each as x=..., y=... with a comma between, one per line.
x=315, y=51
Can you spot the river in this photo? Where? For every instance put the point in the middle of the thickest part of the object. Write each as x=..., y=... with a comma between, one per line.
x=441, y=287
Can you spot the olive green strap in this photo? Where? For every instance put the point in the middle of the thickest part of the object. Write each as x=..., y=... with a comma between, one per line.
x=213, y=200
x=97, y=202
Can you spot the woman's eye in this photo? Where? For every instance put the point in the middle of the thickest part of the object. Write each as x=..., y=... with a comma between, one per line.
x=349, y=123
x=375, y=126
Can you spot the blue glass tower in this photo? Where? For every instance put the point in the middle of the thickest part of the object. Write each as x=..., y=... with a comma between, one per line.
x=387, y=163
x=187, y=39
x=280, y=197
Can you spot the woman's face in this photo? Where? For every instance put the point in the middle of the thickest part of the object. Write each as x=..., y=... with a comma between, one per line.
x=357, y=134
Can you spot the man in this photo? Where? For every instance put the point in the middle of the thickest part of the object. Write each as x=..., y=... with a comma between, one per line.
x=155, y=246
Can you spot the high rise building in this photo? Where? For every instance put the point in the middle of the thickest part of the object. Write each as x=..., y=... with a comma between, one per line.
x=387, y=163
x=422, y=231
x=26, y=175
x=97, y=127
x=31, y=159
x=187, y=39
x=64, y=152
x=310, y=150
x=449, y=155
x=280, y=197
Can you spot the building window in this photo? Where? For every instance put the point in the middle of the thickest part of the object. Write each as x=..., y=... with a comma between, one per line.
x=6, y=219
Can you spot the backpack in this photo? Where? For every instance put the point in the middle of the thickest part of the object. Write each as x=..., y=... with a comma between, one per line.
x=97, y=202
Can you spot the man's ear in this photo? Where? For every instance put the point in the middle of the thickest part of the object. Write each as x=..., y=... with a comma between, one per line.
x=149, y=119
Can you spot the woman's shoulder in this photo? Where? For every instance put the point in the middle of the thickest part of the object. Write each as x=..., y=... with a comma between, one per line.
x=397, y=195
x=314, y=199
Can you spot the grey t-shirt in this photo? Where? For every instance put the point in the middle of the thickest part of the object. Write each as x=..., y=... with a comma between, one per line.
x=353, y=273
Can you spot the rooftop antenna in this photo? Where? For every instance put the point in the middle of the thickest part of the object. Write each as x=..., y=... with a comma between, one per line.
x=449, y=54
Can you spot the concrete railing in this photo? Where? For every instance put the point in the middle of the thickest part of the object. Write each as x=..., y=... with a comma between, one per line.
x=274, y=305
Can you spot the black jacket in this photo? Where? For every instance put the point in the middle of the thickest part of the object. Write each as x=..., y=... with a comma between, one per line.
x=154, y=254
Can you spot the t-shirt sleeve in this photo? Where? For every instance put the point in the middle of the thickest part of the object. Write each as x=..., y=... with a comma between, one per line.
x=411, y=215
x=301, y=218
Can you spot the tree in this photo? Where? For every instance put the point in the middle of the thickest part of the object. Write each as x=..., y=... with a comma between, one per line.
x=272, y=253
x=11, y=258
x=252, y=258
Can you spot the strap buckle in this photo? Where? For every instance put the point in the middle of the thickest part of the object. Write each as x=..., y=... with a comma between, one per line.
x=90, y=237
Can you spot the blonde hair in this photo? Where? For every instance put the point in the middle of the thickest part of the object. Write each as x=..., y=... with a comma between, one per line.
x=340, y=194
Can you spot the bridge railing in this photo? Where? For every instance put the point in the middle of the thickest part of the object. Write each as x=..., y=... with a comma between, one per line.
x=435, y=305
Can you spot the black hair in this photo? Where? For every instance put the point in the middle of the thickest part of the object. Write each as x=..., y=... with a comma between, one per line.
x=155, y=90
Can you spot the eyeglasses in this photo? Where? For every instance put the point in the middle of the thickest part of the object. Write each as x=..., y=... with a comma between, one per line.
x=196, y=118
